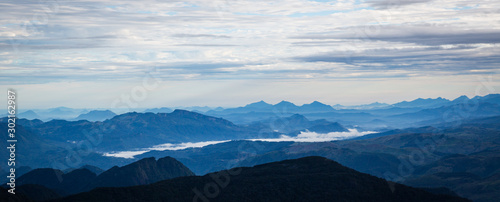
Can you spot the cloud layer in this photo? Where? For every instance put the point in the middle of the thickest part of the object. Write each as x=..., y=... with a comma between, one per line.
x=81, y=41
x=305, y=136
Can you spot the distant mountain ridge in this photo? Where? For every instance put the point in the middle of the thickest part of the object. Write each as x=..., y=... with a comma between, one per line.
x=362, y=115
x=375, y=105
x=160, y=110
x=283, y=106
x=124, y=131
x=440, y=102
x=297, y=123
x=144, y=171
x=96, y=115
x=258, y=105
x=30, y=114
x=422, y=103
x=374, y=116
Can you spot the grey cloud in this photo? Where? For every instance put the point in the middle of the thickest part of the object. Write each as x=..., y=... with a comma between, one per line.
x=207, y=45
x=384, y=4
x=453, y=61
x=445, y=38
x=200, y=36
x=316, y=43
x=198, y=68
x=100, y=33
x=44, y=44
x=418, y=34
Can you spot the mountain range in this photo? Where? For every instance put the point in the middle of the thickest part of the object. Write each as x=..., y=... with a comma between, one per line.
x=469, y=149
x=96, y=115
x=375, y=116
x=305, y=179
x=142, y=172
x=143, y=130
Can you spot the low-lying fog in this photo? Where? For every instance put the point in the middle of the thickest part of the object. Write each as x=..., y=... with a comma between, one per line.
x=304, y=136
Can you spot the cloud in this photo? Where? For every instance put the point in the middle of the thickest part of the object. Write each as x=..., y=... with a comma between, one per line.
x=442, y=60
x=304, y=136
x=200, y=36
x=307, y=136
x=162, y=147
x=394, y=3
x=207, y=45
x=247, y=41
x=418, y=34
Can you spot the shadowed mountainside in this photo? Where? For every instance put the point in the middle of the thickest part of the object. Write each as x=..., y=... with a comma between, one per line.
x=305, y=179
x=144, y=171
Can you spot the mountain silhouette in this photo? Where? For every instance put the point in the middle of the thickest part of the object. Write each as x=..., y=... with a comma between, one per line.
x=316, y=107
x=139, y=130
x=8, y=197
x=160, y=110
x=304, y=179
x=422, y=103
x=259, y=105
x=54, y=179
x=96, y=115
x=30, y=114
x=328, y=128
x=144, y=171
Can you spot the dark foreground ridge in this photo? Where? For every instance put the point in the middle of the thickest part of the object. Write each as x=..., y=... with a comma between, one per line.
x=142, y=172
x=304, y=179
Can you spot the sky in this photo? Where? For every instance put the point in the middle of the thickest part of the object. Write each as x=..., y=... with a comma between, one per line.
x=112, y=54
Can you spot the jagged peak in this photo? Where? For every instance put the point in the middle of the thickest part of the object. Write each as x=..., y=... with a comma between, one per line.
x=318, y=103
x=258, y=104
x=283, y=102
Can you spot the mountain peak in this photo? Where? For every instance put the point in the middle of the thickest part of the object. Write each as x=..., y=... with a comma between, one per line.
x=62, y=108
x=260, y=104
x=96, y=115
x=187, y=113
x=421, y=102
x=298, y=117
x=285, y=103
x=317, y=103
x=30, y=114
x=316, y=106
x=328, y=127
x=100, y=111
x=159, y=110
x=461, y=98
x=146, y=160
x=144, y=171
x=182, y=111
x=327, y=179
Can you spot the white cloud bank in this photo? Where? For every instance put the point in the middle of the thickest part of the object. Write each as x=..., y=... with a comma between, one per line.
x=162, y=147
x=306, y=136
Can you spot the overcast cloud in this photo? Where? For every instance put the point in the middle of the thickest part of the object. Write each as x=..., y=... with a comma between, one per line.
x=363, y=46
